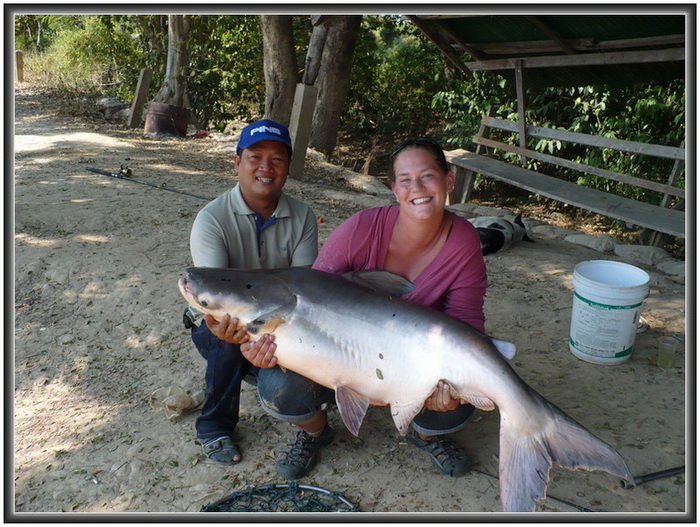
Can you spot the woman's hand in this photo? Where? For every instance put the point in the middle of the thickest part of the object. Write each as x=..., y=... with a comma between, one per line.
x=227, y=329
x=441, y=399
x=262, y=352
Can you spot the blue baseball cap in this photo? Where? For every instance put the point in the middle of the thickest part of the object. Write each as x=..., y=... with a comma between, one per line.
x=264, y=130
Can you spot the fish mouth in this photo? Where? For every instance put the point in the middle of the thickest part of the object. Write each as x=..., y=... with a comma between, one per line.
x=185, y=288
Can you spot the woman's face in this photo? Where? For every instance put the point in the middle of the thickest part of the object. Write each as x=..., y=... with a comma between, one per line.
x=420, y=184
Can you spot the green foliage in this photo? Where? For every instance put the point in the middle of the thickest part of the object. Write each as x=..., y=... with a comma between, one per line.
x=464, y=101
x=650, y=113
x=395, y=73
x=226, y=79
x=89, y=54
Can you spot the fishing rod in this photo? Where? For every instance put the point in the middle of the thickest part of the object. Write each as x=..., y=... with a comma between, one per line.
x=125, y=174
x=653, y=476
x=579, y=508
x=638, y=480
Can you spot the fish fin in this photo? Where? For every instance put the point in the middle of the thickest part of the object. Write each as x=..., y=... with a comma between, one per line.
x=268, y=322
x=403, y=415
x=519, y=221
x=481, y=402
x=380, y=281
x=505, y=348
x=525, y=460
x=352, y=407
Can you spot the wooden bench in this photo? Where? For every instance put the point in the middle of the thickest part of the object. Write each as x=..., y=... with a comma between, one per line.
x=657, y=218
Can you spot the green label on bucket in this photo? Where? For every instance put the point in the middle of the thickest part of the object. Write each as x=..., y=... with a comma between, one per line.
x=596, y=353
x=604, y=306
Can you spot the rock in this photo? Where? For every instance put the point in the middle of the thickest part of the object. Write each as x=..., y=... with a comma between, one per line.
x=110, y=106
x=314, y=155
x=465, y=210
x=641, y=254
x=674, y=268
x=483, y=210
x=602, y=243
x=365, y=183
x=552, y=231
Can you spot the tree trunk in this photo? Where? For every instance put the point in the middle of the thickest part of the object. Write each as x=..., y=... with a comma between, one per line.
x=316, y=44
x=280, y=65
x=333, y=81
x=174, y=88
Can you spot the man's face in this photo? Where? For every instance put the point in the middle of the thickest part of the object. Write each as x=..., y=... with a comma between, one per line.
x=263, y=169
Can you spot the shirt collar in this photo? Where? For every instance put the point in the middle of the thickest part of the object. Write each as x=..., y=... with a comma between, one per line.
x=239, y=205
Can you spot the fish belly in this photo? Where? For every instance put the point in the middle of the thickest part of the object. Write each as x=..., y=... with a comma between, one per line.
x=328, y=348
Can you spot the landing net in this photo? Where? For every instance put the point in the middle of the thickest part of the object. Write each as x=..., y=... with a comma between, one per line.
x=283, y=497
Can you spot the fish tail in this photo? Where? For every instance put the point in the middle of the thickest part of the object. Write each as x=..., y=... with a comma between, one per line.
x=525, y=460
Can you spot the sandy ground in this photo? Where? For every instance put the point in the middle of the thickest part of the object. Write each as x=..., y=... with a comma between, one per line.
x=98, y=331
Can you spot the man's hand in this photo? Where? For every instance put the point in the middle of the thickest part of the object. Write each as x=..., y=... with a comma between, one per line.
x=262, y=352
x=441, y=399
x=227, y=329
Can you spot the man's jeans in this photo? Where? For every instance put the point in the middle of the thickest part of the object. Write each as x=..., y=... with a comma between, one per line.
x=226, y=369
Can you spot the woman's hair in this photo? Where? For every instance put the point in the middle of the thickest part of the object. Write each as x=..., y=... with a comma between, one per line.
x=421, y=142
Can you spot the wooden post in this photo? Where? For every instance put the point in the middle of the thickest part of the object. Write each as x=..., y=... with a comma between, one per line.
x=300, y=126
x=522, y=123
x=19, y=61
x=140, y=98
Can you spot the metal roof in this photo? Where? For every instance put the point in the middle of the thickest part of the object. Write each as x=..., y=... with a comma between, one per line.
x=576, y=49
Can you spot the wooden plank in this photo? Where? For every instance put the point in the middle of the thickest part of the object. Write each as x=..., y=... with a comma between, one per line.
x=581, y=167
x=634, y=147
x=659, y=219
x=579, y=45
x=588, y=59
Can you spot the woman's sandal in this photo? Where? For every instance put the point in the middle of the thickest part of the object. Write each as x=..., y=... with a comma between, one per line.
x=447, y=457
x=222, y=450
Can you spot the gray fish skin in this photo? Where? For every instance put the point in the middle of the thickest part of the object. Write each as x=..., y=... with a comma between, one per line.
x=373, y=348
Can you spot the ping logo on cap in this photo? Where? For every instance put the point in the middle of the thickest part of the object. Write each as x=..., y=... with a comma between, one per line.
x=264, y=128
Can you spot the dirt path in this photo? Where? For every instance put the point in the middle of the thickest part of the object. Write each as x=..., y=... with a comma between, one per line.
x=98, y=330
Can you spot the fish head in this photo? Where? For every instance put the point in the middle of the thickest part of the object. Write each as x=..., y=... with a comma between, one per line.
x=244, y=294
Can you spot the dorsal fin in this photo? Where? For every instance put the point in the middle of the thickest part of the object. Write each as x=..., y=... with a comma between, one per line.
x=380, y=281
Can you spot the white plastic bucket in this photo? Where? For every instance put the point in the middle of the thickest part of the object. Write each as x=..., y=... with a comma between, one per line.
x=608, y=299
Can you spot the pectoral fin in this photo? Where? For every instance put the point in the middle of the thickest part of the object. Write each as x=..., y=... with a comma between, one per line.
x=268, y=322
x=403, y=415
x=352, y=407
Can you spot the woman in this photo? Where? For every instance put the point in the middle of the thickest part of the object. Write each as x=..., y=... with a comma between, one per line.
x=421, y=241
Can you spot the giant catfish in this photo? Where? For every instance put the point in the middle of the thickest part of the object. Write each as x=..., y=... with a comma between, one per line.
x=355, y=334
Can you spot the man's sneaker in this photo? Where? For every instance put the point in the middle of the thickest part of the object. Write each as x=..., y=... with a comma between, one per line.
x=299, y=456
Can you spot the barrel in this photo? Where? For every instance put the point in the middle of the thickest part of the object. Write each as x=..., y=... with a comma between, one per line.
x=166, y=119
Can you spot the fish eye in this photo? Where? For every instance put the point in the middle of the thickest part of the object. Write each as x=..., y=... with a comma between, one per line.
x=204, y=303
x=248, y=286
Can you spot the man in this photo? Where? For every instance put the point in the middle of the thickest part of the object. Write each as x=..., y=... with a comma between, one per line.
x=253, y=225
